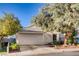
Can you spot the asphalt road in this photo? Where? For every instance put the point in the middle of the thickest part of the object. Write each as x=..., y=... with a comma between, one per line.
x=61, y=54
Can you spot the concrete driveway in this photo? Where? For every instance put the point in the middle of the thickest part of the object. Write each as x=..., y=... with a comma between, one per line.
x=41, y=51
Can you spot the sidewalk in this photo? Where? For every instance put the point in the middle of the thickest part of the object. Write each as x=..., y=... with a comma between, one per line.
x=43, y=50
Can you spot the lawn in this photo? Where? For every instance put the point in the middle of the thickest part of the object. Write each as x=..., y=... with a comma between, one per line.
x=3, y=51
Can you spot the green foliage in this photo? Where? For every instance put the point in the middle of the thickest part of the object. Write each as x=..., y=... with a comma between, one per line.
x=58, y=17
x=69, y=41
x=9, y=25
x=14, y=46
x=74, y=33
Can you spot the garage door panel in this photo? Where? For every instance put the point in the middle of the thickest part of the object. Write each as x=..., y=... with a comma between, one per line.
x=30, y=39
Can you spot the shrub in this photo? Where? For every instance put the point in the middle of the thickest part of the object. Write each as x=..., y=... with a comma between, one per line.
x=14, y=46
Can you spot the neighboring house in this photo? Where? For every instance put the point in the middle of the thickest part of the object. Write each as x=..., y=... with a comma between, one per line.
x=7, y=40
x=33, y=35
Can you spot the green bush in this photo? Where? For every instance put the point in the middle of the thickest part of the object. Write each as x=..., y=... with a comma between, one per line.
x=14, y=46
x=57, y=43
x=69, y=41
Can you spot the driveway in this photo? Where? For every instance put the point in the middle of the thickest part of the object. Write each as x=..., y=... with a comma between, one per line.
x=50, y=51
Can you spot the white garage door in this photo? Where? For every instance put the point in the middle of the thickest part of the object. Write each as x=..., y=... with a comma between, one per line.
x=26, y=39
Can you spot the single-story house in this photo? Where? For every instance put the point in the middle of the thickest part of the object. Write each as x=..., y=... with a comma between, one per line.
x=6, y=40
x=33, y=35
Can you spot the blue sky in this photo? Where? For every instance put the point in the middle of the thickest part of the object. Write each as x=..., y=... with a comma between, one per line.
x=24, y=11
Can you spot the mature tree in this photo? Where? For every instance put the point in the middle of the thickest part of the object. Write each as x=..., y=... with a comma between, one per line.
x=9, y=25
x=58, y=17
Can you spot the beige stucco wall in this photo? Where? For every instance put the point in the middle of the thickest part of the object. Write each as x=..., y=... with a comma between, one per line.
x=35, y=38
x=29, y=38
x=48, y=37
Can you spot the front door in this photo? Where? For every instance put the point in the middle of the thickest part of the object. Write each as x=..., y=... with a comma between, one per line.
x=54, y=39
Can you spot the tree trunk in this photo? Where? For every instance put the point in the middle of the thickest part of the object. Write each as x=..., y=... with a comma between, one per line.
x=8, y=48
x=1, y=41
x=65, y=40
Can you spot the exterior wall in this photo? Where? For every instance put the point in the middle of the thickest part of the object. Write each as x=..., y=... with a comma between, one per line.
x=48, y=37
x=36, y=38
x=61, y=36
x=27, y=39
x=30, y=39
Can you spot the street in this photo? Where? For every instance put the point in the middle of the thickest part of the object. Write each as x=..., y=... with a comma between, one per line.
x=61, y=54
